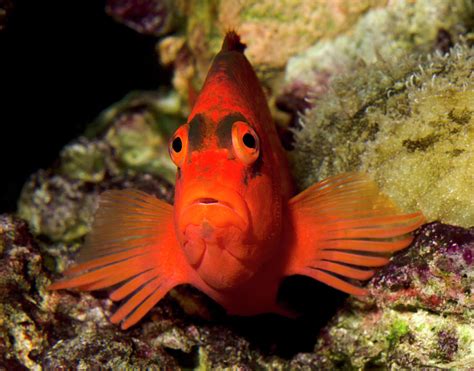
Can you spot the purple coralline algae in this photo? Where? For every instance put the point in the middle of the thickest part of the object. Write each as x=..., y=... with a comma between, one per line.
x=436, y=273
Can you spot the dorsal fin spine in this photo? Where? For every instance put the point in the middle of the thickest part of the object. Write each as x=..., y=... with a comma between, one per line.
x=232, y=43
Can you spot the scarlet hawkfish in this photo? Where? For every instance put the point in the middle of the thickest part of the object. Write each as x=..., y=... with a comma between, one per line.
x=236, y=229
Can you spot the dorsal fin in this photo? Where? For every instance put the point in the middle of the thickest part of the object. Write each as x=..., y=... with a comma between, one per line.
x=232, y=43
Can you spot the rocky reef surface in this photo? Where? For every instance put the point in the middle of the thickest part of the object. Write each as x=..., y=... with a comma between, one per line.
x=397, y=104
x=420, y=314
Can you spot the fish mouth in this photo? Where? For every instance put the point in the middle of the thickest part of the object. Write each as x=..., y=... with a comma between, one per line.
x=214, y=225
x=206, y=201
x=218, y=208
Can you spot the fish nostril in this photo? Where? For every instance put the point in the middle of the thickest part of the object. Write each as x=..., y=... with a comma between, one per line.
x=207, y=200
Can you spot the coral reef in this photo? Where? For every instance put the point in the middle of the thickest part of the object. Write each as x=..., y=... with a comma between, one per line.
x=388, y=34
x=420, y=313
x=273, y=32
x=410, y=125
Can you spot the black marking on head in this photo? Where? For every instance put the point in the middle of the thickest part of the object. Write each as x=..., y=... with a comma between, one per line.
x=256, y=168
x=224, y=129
x=196, y=132
x=178, y=174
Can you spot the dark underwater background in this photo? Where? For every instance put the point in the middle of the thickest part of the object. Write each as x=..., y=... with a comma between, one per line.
x=62, y=63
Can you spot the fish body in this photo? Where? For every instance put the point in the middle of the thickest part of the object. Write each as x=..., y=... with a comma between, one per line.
x=236, y=229
x=229, y=196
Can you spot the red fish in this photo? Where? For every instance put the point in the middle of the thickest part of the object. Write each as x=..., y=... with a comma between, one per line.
x=236, y=229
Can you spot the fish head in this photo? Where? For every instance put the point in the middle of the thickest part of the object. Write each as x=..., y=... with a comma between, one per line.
x=227, y=198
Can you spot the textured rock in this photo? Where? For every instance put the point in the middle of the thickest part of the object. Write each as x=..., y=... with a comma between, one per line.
x=436, y=274
x=405, y=323
x=24, y=303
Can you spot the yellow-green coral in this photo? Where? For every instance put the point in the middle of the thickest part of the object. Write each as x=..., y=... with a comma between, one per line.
x=426, y=160
x=411, y=127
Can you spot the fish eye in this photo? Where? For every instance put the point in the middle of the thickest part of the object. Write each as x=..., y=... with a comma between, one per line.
x=245, y=142
x=178, y=145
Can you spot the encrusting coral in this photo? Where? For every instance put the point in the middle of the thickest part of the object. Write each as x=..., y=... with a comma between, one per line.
x=410, y=125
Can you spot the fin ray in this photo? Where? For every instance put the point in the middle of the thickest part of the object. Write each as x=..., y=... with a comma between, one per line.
x=136, y=299
x=343, y=226
x=367, y=245
x=132, y=244
x=343, y=270
x=132, y=285
x=354, y=259
x=144, y=307
x=334, y=281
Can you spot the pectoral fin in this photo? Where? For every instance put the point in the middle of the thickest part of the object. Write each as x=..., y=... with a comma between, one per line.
x=343, y=228
x=132, y=243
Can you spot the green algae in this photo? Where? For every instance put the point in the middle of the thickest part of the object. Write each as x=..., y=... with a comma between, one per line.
x=139, y=147
x=426, y=161
x=84, y=161
x=398, y=329
x=136, y=131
